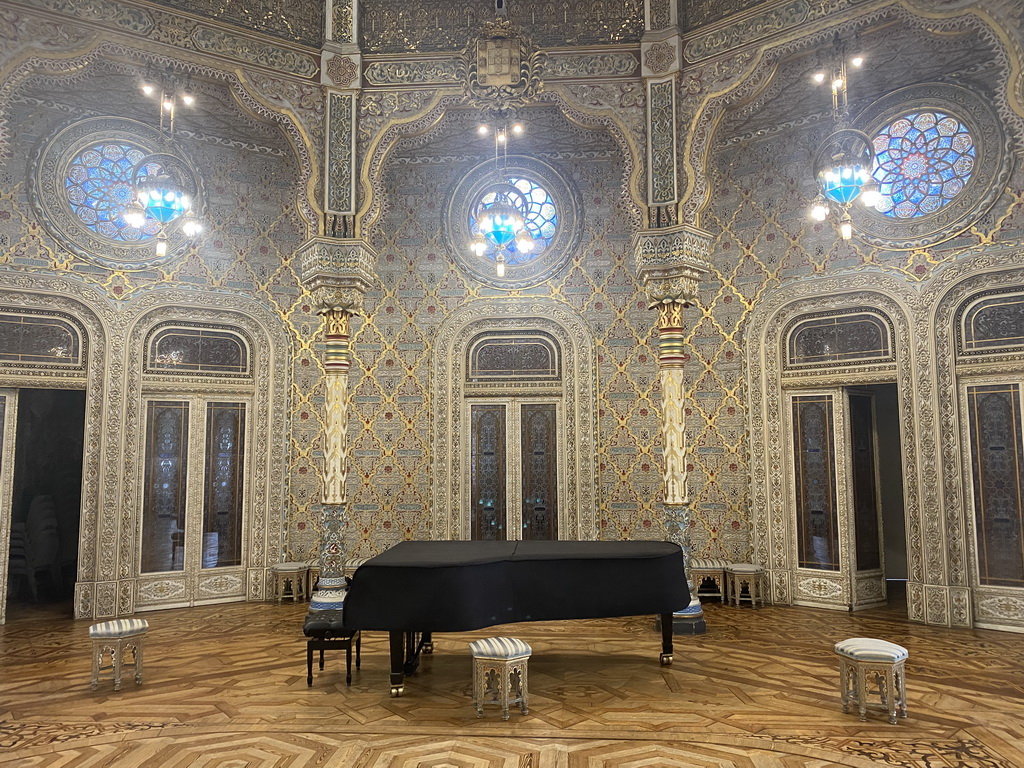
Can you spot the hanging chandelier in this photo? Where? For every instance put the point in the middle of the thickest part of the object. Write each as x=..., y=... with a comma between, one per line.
x=501, y=210
x=163, y=185
x=844, y=161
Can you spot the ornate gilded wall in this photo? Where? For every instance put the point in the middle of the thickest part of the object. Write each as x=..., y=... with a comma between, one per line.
x=421, y=285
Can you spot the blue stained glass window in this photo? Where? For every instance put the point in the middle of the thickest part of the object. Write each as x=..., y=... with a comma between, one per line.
x=540, y=216
x=98, y=185
x=923, y=160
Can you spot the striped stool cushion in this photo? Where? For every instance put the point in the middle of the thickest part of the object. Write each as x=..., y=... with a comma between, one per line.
x=869, y=649
x=289, y=567
x=499, y=648
x=744, y=568
x=707, y=564
x=119, y=628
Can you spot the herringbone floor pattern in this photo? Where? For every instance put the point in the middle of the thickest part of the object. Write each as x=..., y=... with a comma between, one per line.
x=225, y=687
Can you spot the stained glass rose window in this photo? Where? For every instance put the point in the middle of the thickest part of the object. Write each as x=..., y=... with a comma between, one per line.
x=923, y=160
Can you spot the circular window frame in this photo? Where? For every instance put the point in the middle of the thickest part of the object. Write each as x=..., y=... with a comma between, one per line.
x=55, y=212
x=559, y=250
x=992, y=166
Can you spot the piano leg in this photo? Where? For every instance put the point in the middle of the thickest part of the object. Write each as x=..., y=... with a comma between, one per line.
x=666, y=639
x=397, y=662
x=428, y=643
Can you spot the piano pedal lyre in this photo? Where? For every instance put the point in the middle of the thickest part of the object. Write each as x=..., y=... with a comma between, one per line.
x=666, y=659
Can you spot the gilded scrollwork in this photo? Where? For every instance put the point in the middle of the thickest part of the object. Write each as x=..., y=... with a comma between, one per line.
x=416, y=72
x=662, y=169
x=252, y=51
x=590, y=65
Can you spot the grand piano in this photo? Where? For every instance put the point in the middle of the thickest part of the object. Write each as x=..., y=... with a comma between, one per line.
x=420, y=587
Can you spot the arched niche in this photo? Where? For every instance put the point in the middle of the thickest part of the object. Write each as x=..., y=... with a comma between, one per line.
x=566, y=329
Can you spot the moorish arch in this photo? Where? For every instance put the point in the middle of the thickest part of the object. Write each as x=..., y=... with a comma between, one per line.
x=264, y=391
x=570, y=335
x=398, y=117
x=752, y=79
x=771, y=384
x=991, y=275
x=277, y=101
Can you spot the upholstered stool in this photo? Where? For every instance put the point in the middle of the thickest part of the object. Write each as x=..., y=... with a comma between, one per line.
x=326, y=632
x=868, y=666
x=116, y=638
x=293, y=574
x=708, y=576
x=738, y=574
x=499, y=673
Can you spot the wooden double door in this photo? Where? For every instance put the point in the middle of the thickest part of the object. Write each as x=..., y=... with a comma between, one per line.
x=514, y=450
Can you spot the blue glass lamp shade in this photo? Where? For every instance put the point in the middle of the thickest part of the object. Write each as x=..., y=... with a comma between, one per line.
x=842, y=182
x=163, y=199
x=500, y=220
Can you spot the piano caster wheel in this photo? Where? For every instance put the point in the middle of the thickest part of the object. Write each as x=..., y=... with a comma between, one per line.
x=428, y=648
x=397, y=690
x=666, y=659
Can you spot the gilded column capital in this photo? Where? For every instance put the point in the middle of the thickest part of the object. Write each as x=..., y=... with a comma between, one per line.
x=671, y=262
x=337, y=272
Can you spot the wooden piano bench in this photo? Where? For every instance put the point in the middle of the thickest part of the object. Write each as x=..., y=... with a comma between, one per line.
x=327, y=633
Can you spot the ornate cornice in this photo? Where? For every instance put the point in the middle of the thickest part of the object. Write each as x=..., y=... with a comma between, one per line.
x=671, y=262
x=337, y=272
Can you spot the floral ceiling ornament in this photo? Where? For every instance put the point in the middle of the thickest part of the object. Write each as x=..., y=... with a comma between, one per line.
x=502, y=67
x=342, y=71
x=659, y=57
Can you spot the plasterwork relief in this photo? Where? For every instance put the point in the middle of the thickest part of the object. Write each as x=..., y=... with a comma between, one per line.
x=266, y=486
x=448, y=375
x=989, y=270
x=385, y=118
x=295, y=106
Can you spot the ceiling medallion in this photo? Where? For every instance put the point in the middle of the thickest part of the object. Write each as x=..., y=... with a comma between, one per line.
x=503, y=67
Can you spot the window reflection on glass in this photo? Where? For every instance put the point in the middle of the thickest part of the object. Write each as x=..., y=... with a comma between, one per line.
x=165, y=487
x=198, y=350
x=222, y=512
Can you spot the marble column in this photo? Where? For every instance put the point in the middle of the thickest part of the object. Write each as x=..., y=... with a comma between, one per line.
x=337, y=274
x=670, y=263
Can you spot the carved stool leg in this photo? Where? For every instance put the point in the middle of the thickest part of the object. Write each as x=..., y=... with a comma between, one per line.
x=97, y=662
x=137, y=656
x=118, y=659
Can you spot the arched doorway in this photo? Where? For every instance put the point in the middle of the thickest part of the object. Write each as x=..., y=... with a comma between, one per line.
x=514, y=430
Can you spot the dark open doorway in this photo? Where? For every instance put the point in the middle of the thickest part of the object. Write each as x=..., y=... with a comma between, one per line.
x=47, y=497
x=891, y=492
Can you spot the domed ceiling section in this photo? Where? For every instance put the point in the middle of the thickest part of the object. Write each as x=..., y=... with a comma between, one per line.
x=113, y=89
x=896, y=55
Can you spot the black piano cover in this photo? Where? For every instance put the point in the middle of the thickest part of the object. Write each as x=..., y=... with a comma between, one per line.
x=453, y=586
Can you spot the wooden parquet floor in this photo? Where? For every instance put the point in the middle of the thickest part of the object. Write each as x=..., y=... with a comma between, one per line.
x=225, y=687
